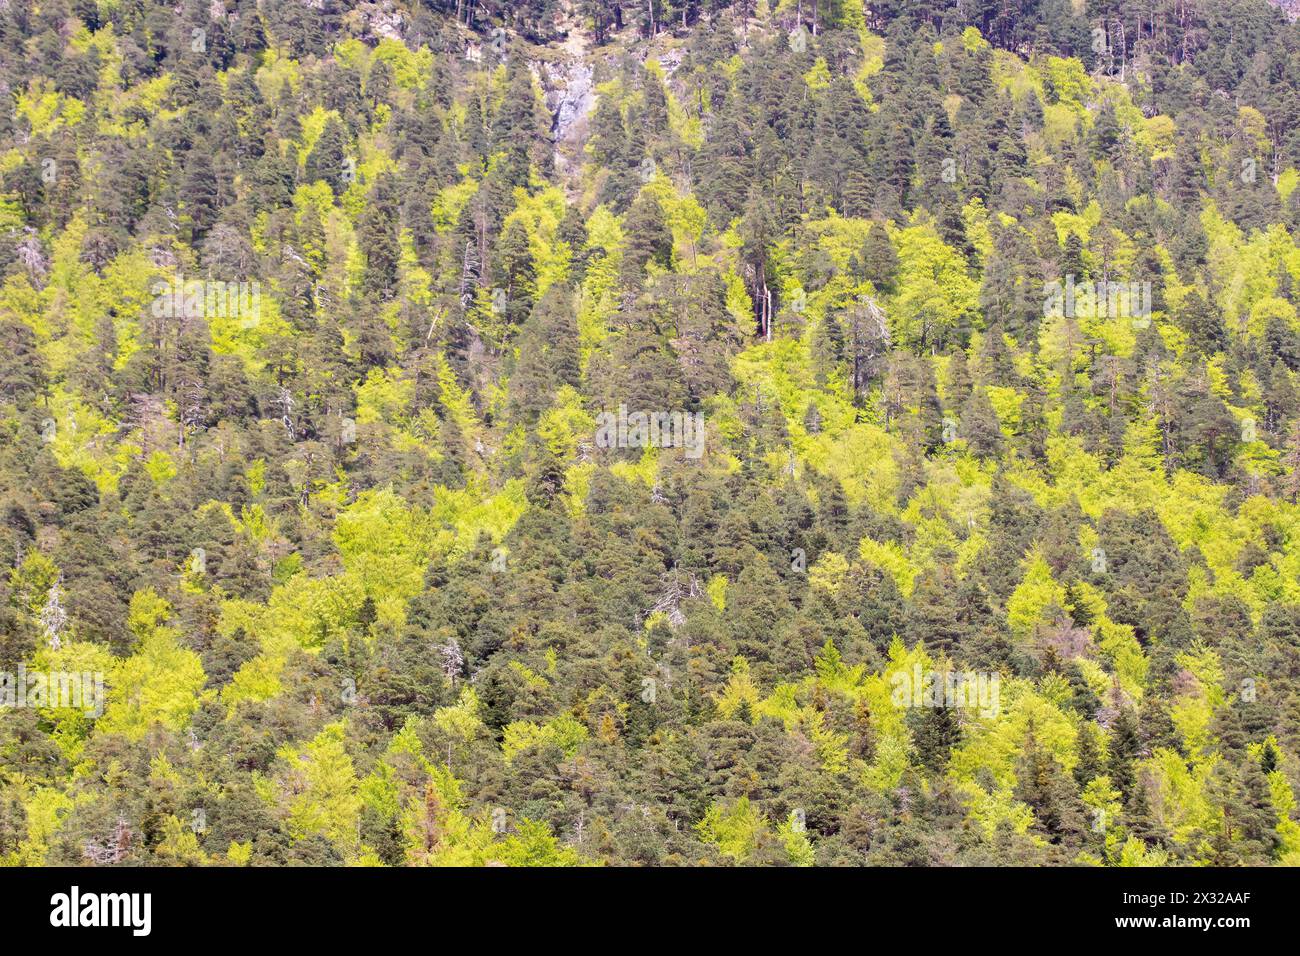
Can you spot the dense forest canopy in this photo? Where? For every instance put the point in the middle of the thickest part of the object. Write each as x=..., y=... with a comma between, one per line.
x=795, y=432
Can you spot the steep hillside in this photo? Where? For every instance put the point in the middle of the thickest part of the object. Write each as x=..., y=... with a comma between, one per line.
x=670, y=433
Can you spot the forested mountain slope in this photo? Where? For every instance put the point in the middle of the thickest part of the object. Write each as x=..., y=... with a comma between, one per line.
x=967, y=532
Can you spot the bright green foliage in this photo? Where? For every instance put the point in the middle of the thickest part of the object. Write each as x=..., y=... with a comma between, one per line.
x=363, y=578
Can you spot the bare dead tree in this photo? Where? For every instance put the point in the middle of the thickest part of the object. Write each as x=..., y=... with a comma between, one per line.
x=676, y=589
x=114, y=849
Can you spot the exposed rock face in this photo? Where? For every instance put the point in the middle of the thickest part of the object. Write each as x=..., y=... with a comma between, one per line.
x=570, y=96
x=378, y=21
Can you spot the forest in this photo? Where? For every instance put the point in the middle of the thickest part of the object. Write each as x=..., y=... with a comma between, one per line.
x=673, y=433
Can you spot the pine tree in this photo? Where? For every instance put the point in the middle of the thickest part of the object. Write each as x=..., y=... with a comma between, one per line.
x=378, y=235
x=327, y=159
